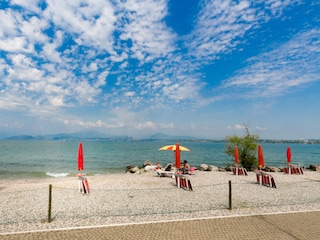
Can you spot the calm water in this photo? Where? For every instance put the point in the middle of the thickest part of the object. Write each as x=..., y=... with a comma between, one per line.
x=23, y=159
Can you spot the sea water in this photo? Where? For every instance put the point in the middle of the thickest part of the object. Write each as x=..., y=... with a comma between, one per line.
x=28, y=158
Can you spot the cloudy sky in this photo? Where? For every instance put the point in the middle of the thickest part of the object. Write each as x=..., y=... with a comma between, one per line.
x=179, y=67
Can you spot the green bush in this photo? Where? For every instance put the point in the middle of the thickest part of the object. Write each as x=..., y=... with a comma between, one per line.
x=247, y=147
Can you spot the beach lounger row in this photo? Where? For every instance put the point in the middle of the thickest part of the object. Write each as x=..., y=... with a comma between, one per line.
x=293, y=170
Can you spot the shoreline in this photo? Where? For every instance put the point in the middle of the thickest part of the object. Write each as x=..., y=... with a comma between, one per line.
x=52, y=175
x=125, y=198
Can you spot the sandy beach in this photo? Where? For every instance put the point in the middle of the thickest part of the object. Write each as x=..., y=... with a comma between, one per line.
x=135, y=198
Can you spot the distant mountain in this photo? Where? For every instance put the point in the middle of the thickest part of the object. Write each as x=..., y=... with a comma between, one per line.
x=98, y=136
x=83, y=136
x=161, y=136
x=21, y=137
x=158, y=136
x=76, y=135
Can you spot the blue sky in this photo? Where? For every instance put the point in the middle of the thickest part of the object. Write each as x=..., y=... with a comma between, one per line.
x=179, y=67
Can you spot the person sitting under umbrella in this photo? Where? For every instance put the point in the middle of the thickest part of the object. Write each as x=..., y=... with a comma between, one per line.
x=186, y=167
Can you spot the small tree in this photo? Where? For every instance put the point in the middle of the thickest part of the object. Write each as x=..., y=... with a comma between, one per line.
x=247, y=146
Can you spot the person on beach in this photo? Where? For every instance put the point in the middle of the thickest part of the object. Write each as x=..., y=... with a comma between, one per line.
x=186, y=167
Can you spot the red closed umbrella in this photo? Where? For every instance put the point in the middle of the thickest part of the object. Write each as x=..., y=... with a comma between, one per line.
x=260, y=157
x=288, y=155
x=83, y=182
x=177, y=154
x=236, y=155
x=80, y=158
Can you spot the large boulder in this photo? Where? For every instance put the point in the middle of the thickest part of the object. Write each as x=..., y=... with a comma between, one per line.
x=147, y=163
x=203, y=167
x=272, y=169
x=228, y=168
x=132, y=169
x=135, y=170
x=129, y=167
x=213, y=168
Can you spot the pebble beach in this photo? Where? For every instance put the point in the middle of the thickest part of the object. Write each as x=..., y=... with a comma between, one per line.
x=137, y=198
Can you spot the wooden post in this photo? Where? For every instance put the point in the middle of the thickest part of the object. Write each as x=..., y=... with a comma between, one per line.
x=50, y=200
x=230, y=196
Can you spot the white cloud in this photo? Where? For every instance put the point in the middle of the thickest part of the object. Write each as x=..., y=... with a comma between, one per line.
x=33, y=29
x=19, y=35
x=20, y=60
x=289, y=66
x=129, y=94
x=276, y=6
x=16, y=44
x=236, y=127
x=31, y=5
x=10, y=102
x=57, y=101
x=8, y=27
x=219, y=26
x=222, y=24
x=23, y=68
x=145, y=28
x=92, y=24
x=167, y=126
x=87, y=124
x=49, y=50
x=261, y=128
x=101, y=79
x=92, y=21
x=122, y=55
x=146, y=125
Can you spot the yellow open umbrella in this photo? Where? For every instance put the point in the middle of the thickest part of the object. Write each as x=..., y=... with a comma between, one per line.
x=176, y=148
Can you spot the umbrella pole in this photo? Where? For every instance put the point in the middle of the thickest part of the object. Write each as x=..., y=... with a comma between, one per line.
x=260, y=177
x=79, y=183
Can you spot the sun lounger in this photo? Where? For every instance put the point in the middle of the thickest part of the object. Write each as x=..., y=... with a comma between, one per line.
x=162, y=173
x=239, y=171
x=293, y=170
x=183, y=182
x=265, y=179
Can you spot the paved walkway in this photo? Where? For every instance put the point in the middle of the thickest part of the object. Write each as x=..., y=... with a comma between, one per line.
x=305, y=225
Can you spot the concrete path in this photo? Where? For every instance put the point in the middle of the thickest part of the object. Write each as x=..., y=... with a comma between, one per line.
x=302, y=225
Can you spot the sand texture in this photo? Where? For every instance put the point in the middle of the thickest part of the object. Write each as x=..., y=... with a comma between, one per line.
x=135, y=198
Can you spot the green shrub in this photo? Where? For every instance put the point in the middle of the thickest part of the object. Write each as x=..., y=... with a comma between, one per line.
x=247, y=147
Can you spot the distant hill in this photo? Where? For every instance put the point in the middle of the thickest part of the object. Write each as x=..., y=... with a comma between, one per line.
x=158, y=136
x=21, y=137
x=98, y=136
x=76, y=135
x=83, y=136
x=161, y=136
